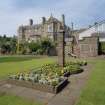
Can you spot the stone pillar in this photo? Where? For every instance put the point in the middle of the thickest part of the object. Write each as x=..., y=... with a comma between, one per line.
x=61, y=48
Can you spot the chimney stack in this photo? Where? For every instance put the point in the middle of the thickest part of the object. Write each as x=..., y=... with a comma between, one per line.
x=31, y=22
x=63, y=20
x=72, y=26
x=43, y=20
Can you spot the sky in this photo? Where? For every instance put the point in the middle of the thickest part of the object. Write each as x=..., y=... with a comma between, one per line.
x=82, y=13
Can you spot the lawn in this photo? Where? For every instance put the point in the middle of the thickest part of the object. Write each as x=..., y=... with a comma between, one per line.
x=4, y=59
x=94, y=91
x=15, y=64
x=14, y=100
x=92, y=94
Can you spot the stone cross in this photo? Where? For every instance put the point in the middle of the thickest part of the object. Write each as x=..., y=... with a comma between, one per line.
x=61, y=48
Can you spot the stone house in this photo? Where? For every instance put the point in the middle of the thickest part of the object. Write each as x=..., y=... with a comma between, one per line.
x=47, y=28
x=87, y=47
x=98, y=28
x=87, y=40
x=82, y=43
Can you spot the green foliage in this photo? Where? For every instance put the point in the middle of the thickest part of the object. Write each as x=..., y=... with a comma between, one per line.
x=23, y=48
x=46, y=45
x=34, y=46
x=102, y=48
x=13, y=44
x=41, y=47
x=40, y=51
x=71, y=68
x=5, y=48
x=8, y=45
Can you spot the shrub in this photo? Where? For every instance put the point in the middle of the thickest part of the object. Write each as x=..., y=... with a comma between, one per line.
x=34, y=46
x=102, y=48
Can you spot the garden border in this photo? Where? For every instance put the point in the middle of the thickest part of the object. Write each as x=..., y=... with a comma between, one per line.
x=67, y=74
x=41, y=87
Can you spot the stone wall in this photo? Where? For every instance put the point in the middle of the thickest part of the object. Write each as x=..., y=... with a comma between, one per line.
x=88, y=47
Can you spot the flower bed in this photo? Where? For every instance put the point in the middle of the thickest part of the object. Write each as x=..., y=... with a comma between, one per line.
x=50, y=77
x=73, y=68
x=41, y=87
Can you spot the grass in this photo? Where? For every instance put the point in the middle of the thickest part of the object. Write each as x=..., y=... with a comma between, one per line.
x=15, y=100
x=14, y=64
x=15, y=58
x=11, y=66
x=94, y=91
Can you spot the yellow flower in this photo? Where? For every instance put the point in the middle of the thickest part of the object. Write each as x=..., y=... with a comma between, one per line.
x=62, y=71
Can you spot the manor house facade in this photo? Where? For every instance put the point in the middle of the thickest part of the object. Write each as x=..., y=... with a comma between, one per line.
x=82, y=43
x=47, y=28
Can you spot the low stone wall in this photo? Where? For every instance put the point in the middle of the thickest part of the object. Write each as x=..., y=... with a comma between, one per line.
x=41, y=87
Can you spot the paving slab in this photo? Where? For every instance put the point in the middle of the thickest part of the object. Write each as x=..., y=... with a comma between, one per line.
x=27, y=93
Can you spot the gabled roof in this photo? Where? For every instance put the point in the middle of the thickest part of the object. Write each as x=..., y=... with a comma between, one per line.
x=52, y=19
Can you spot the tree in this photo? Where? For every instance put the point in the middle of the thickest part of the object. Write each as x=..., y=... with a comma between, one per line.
x=34, y=46
x=46, y=44
x=8, y=44
x=5, y=48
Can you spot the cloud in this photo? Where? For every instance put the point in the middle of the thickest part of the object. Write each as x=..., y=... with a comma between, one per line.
x=16, y=12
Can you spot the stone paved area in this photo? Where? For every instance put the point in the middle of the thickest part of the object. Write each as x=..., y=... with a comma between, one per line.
x=26, y=93
x=68, y=96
